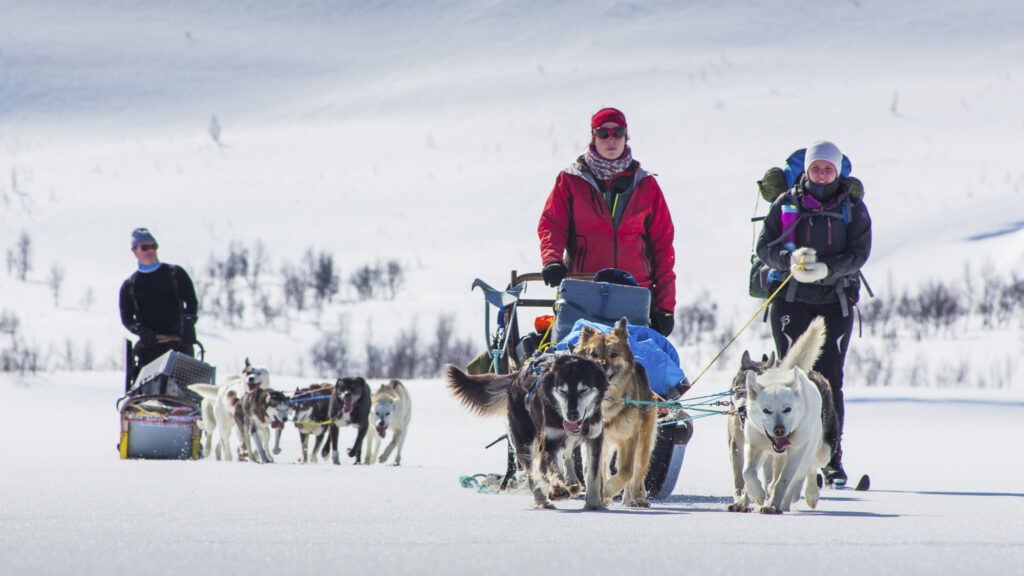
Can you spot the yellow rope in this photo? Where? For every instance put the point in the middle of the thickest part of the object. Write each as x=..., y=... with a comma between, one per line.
x=799, y=265
x=544, y=345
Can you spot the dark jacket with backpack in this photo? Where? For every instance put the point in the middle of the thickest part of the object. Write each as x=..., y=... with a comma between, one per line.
x=836, y=225
x=159, y=303
x=577, y=223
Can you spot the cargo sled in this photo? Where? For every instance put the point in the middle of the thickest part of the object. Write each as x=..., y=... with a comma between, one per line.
x=579, y=297
x=159, y=414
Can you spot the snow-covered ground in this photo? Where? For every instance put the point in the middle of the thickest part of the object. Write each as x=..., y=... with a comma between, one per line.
x=431, y=132
x=946, y=499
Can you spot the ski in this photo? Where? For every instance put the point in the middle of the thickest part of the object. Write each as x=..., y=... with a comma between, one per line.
x=863, y=485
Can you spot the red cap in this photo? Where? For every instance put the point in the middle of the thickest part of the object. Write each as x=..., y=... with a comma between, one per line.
x=608, y=115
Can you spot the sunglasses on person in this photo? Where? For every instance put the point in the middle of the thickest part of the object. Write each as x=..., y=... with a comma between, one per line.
x=147, y=247
x=606, y=132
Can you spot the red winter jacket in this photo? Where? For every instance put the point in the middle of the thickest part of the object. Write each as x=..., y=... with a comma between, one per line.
x=577, y=224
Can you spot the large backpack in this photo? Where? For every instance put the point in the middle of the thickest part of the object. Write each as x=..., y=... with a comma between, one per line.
x=775, y=183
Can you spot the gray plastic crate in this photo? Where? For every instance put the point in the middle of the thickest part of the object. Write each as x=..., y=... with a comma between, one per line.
x=599, y=302
x=171, y=374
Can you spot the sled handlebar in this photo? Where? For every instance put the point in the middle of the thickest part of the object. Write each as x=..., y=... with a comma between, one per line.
x=518, y=279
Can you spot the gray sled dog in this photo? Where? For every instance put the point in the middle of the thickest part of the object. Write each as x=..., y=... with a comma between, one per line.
x=552, y=406
x=260, y=411
x=391, y=410
x=219, y=402
x=790, y=423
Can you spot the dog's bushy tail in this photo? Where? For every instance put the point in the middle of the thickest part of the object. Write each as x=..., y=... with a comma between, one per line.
x=484, y=394
x=805, y=351
x=204, y=390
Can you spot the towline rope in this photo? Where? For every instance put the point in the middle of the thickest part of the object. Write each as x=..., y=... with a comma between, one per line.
x=695, y=404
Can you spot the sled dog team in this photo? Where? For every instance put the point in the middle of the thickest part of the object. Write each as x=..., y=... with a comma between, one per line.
x=247, y=407
x=782, y=426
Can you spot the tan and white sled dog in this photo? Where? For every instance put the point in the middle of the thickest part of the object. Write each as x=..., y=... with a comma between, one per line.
x=219, y=402
x=391, y=410
x=784, y=422
x=629, y=429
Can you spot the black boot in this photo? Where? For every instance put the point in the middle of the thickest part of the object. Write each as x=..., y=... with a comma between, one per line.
x=834, y=474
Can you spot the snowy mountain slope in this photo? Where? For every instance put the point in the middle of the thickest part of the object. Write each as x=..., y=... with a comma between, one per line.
x=433, y=132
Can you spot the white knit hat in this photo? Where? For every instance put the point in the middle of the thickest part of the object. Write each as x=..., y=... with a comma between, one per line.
x=823, y=150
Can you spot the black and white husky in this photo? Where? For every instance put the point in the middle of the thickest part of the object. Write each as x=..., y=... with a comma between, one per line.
x=349, y=406
x=553, y=406
x=309, y=413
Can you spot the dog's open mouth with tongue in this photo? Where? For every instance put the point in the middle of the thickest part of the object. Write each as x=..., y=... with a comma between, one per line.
x=571, y=427
x=779, y=443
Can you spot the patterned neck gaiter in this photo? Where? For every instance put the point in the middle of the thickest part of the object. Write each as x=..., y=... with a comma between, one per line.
x=604, y=169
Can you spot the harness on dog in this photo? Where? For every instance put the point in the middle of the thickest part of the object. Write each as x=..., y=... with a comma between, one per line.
x=538, y=369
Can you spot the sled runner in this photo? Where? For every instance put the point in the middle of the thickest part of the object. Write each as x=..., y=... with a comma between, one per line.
x=604, y=298
x=159, y=414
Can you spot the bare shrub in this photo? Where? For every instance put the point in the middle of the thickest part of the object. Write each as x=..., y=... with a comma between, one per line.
x=446, y=349
x=873, y=367
x=56, y=282
x=394, y=278
x=878, y=312
x=295, y=283
x=1011, y=297
x=403, y=359
x=17, y=356
x=992, y=288
x=365, y=280
x=695, y=320
x=323, y=278
x=225, y=302
x=19, y=258
x=267, y=309
x=330, y=354
x=378, y=280
x=258, y=262
x=376, y=360
x=936, y=304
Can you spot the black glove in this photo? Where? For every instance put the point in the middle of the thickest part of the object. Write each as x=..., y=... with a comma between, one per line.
x=188, y=330
x=554, y=273
x=146, y=336
x=678, y=390
x=663, y=322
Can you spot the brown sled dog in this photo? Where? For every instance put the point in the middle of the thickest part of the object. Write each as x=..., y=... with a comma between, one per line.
x=629, y=429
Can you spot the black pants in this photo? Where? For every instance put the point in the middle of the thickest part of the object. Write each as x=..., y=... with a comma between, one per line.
x=790, y=319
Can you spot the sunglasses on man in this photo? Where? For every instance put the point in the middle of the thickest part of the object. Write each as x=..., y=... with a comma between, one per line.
x=147, y=247
x=603, y=133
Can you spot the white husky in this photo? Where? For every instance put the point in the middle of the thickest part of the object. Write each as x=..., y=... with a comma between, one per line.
x=392, y=410
x=784, y=423
x=219, y=402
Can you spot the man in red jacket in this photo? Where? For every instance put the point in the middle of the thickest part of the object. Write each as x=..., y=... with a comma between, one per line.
x=607, y=212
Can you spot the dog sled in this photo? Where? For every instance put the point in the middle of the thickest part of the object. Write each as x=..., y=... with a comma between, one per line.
x=604, y=299
x=159, y=414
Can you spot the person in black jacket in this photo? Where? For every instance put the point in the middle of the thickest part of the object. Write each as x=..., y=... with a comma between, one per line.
x=821, y=234
x=158, y=303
